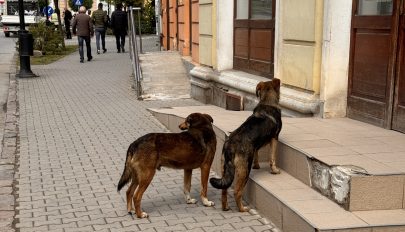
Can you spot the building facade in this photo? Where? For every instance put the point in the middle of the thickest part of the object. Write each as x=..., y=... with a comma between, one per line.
x=334, y=58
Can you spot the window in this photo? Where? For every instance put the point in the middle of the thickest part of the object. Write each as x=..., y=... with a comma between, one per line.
x=374, y=7
x=261, y=9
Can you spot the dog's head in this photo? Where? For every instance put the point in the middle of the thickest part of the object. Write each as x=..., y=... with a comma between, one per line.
x=269, y=91
x=196, y=120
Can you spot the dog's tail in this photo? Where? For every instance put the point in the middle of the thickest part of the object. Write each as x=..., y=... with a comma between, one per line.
x=126, y=175
x=229, y=172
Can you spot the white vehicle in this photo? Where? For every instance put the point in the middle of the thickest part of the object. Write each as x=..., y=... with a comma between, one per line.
x=11, y=23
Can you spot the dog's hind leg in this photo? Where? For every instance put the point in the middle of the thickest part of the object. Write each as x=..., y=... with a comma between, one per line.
x=205, y=172
x=187, y=186
x=225, y=206
x=130, y=194
x=241, y=175
x=144, y=180
x=273, y=167
x=256, y=160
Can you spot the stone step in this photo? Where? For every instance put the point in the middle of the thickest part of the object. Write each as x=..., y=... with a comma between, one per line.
x=325, y=155
x=293, y=206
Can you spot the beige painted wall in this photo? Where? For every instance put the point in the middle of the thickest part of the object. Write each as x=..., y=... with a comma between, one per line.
x=224, y=34
x=214, y=35
x=206, y=32
x=335, y=58
x=300, y=48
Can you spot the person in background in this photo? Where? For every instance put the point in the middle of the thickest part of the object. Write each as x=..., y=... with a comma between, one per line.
x=84, y=26
x=67, y=18
x=119, y=24
x=99, y=18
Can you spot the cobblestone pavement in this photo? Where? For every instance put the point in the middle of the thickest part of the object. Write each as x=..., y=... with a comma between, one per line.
x=76, y=122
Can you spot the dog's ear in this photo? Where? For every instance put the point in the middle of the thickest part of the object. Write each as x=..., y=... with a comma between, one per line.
x=259, y=88
x=209, y=117
x=276, y=84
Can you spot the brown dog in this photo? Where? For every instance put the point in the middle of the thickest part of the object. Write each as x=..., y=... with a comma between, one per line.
x=190, y=149
x=240, y=149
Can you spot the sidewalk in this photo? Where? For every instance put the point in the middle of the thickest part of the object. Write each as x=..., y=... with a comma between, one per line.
x=75, y=124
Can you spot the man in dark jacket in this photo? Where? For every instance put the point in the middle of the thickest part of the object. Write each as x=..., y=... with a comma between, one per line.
x=119, y=24
x=84, y=26
x=99, y=18
x=67, y=18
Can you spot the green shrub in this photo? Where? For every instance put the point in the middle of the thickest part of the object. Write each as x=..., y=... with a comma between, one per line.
x=148, y=22
x=47, y=38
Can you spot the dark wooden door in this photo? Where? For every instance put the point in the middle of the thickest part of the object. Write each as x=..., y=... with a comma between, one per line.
x=398, y=119
x=254, y=36
x=375, y=54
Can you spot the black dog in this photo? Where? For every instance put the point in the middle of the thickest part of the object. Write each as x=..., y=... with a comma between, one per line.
x=241, y=148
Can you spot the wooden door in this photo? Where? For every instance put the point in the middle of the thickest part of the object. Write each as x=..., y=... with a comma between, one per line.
x=398, y=120
x=377, y=64
x=254, y=36
x=372, y=59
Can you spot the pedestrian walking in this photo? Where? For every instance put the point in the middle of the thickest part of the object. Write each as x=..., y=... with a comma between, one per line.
x=67, y=18
x=99, y=18
x=119, y=24
x=84, y=26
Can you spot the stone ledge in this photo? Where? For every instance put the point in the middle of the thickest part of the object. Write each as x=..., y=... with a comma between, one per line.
x=293, y=99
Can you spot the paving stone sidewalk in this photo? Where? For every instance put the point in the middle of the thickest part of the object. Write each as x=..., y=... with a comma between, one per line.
x=75, y=124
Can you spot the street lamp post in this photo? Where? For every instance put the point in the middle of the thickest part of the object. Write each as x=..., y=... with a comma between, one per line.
x=25, y=45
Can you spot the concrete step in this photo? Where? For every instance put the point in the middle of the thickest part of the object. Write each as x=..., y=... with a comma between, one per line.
x=359, y=166
x=359, y=184
x=293, y=206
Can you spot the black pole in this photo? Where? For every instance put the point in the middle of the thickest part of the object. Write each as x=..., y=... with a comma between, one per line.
x=25, y=45
x=21, y=14
x=47, y=22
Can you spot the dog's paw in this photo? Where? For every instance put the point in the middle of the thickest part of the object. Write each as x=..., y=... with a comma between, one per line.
x=244, y=209
x=226, y=209
x=191, y=201
x=143, y=215
x=206, y=202
x=275, y=170
x=256, y=166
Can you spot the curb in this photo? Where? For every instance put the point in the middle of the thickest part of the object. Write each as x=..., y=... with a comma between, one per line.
x=8, y=156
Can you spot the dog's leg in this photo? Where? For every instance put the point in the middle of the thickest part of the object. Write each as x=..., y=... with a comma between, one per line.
x=205, y=172
x=130, y=194
x=256, y=160
x=187, y=186
x=225, y=206
x=241, y=175
x=273, y=167
x=144, y=181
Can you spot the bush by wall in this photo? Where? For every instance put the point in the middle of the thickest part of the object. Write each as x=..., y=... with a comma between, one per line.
x=47, y=38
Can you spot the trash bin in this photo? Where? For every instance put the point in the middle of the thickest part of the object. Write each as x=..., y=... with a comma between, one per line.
x=26, y=44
